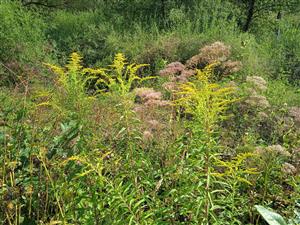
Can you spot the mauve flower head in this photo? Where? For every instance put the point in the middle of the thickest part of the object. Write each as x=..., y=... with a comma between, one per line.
x=294, y=112
x=272, y=149
x=147, y=135
x=256, y=79
x=216, y=52
x=230, y=67
x=278, y=149
x=176, y=65
x=172, y=69
x=138, y=109
x=259, y=101
x=163, y=103
x=170, y=86
x=150, y=97
x=153, y=124
x=188, y=73
x=153, y=95
x=156, y=102
x=288, y=169
x=194, y=61
x=258, y=82
x=148, y=94
x=180, y=79
x=143, y=91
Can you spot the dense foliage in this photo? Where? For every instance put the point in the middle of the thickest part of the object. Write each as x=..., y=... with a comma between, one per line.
x=149, y=112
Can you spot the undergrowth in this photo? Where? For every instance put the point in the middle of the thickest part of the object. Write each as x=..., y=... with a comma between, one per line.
x=97, y=147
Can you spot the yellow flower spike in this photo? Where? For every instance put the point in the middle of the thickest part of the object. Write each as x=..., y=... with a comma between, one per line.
x=74, y=62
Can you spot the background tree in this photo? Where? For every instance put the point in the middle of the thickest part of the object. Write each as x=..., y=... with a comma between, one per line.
x=255, y=9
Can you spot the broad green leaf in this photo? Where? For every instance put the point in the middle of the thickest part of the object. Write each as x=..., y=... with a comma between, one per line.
x=270, y=217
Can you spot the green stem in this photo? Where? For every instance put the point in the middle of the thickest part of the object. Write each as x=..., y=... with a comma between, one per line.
x=53, y=186
x=207, y=169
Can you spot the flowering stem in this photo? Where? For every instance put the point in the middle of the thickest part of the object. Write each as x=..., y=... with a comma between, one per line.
x=207, y=170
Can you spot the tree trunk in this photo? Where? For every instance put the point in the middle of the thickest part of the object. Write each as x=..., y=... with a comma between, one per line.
x=279, y=15
x=163, y=9
x=249, y=15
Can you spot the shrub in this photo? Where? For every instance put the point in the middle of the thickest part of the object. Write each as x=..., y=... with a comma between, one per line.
x=284, y=52
x=23, y=41
x=81, y=31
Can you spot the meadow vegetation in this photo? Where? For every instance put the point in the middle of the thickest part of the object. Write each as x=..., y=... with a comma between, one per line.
x=152, y=112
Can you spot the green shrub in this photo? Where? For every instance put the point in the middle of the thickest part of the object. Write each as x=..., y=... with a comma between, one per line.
x=84, y=32
x=284, y=51
x=289, y=95
x=23, y=42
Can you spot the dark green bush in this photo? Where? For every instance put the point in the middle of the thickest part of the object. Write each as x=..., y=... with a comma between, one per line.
x=23, y=42
x=22, y=36
x=80, y=31
x=283, y=48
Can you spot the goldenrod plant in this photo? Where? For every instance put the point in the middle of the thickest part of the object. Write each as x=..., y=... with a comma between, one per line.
x=71, y=87
x=206, y=102
x=119, y=78
x=75, y=80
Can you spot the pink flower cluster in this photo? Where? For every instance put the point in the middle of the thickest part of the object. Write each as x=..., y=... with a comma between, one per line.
x=278, y=150
x=216, y=52
x=288, y=169
x=173, y=68
x=272, y=149
x=258, y=85
x=256, y=100
x=150, y=97
x=294, y=112
x=230, y=67
x=146, y=109
x=177, y=73
x=257, y=82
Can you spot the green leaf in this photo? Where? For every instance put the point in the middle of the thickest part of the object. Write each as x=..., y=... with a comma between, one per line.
x=270, y=217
